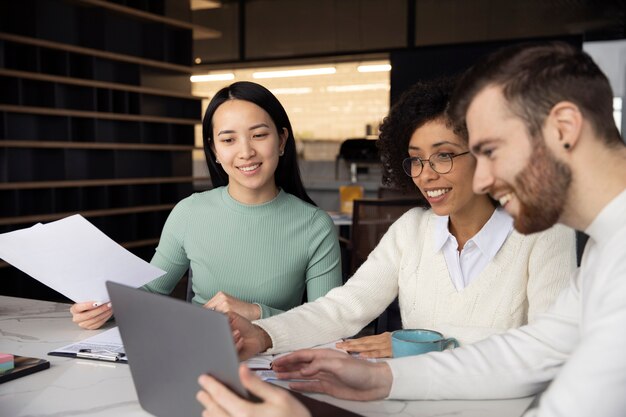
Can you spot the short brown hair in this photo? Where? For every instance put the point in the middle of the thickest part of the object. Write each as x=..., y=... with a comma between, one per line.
x=536, y=77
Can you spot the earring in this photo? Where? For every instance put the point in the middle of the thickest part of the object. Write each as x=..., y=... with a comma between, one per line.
x=281, y=153
x=216, y=161
x=566, y=145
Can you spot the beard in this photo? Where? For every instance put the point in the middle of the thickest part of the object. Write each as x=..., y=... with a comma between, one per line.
x=541, y=189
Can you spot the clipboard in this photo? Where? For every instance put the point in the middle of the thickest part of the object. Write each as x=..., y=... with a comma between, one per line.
x=106, y=346
x=93, y=354
x=24, y=365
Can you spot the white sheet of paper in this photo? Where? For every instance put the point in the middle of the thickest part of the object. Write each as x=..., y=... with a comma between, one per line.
x=75, y=258
x=263, y=362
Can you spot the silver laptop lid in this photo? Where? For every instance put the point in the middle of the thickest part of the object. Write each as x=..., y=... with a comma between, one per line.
x=169, y=344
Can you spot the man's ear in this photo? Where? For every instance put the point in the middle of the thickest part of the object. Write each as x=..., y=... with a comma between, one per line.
x=564, y=126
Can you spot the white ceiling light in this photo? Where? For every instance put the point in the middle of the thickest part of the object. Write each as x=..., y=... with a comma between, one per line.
x=205, y=4
x=291, y=90
x=374, y=68
x=294, y=73
x=212, y=77
x=357, y=87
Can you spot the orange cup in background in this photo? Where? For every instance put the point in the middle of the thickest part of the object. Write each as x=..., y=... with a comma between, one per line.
x=347, y=194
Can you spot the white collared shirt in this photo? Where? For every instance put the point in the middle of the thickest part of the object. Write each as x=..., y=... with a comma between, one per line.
x=477, y=252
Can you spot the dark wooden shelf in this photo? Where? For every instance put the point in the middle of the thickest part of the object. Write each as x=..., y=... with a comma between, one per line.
x=139, y=243
x=97, y=183
x=95, y=115
x=95, y=52
x=89, y=213
x=96, y=84
x=96, y=118
x=93, y=145
x=207, y=32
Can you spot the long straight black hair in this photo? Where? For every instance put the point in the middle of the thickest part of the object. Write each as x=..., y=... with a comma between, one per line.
x=287, y=174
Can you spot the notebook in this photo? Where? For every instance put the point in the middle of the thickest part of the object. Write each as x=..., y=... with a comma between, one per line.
x=24, y=365
x=169, y=343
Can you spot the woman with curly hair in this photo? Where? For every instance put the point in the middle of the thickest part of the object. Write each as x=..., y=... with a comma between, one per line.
x=458, y=267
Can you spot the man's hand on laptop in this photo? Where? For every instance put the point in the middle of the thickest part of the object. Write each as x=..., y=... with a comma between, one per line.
x=335, y=373
x=91, y=315
x=249, y=338
x=219, y=401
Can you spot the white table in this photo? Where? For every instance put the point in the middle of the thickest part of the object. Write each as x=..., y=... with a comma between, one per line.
x=77, y=387
x=340, y=219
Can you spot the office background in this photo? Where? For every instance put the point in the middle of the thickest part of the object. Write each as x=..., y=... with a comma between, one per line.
x=98, y=115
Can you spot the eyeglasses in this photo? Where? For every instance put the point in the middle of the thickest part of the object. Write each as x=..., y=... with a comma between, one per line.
x=440, y=162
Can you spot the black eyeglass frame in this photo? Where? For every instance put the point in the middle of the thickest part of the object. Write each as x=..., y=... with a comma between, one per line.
x=410, y=161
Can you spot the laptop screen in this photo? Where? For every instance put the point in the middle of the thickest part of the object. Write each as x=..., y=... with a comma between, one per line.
x=170, y=343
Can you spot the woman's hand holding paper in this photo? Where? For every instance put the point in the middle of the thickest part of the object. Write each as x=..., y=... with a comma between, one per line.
x=91, y=315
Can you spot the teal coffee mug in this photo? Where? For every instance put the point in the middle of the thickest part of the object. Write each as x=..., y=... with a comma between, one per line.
x=409, y=342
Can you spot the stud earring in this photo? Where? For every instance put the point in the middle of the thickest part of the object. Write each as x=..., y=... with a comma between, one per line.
x=216, y=161
x=281, y=153
x=566, y=145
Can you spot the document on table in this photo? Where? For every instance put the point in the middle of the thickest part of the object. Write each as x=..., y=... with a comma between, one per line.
x=75, y=258
x=262, y=364
x=106, y=344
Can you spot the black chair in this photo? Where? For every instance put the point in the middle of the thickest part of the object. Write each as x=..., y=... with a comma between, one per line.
x=371, y=219
x=388, y=193
x=190, y=293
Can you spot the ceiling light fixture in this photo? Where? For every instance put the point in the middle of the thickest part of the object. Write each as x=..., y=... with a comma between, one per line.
x=374, y=68
x=294, y=73
x=357, y=87
x=291, y=90
x=212, y=77
x=205, y=4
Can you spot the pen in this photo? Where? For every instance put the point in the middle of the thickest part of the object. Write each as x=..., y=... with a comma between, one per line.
x=104, y=356
x=89, y=355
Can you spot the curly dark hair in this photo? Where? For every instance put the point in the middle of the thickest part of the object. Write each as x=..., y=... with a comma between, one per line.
x=424, y=102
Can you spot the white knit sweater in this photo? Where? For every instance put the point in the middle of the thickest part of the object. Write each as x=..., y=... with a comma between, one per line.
x=523, y=279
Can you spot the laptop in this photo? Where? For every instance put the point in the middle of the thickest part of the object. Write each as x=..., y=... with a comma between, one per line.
x=169, y=343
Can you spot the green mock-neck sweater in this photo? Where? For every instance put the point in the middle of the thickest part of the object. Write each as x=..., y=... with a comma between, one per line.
x=265, y=254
